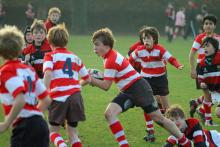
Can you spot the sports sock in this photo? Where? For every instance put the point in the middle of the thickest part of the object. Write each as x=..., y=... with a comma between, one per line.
x=207, y=106
x=57, y=140
x=119, y=134
x=149, y=123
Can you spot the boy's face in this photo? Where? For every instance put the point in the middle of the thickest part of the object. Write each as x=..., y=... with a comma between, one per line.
x=148, y=41
x=99, y=48
x=54, y=17
x=29, y=37
x=209, y=26
x=209, y=49
x=180, y=122
x=39, y=35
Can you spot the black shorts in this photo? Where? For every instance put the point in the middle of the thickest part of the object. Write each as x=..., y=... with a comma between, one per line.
x=159, y=85
x=139, y=94
x=71, y=110
x=30, y=132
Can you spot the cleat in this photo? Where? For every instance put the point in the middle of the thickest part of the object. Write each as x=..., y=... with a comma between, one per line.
x=149, y=137
x=210, y=123
x=193, y=107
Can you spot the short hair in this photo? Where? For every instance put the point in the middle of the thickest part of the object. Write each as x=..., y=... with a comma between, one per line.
x=210, y=17
x=58, y=36
x=212, y=41
x=152, y=31
x=38, y=25
x=54, y=10
x=11, y=42
x=175, y=111
x=140, y=33
x=105, y=36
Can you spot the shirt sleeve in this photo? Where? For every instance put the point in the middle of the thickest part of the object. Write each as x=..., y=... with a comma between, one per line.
x=13, y=84
x=110, y=70
x=48, y=62
x=41, y=91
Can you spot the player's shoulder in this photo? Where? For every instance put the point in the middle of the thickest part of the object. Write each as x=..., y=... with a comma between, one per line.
x=192, y=121
x=28, y=50
x=200, y=37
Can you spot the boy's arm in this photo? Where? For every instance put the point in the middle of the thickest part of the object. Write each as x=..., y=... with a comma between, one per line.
x=18, y=104
x=47, y=78
x=44, y=103
x=192, y=55
x=103, y=84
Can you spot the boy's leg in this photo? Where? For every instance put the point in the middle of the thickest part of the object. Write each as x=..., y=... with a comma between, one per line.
x=73, y=135
x=194, y=104
x=55, y=137
x=149, y=128
x=207, y=104
x=165, y=103
x=218, y=110
x=111, y=113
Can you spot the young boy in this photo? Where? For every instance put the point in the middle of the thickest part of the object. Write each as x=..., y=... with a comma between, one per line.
x=192, y=129
x=209, y=73
x=134, y=90
x=34, y=53
x=20, y=87
x=137, y=66
x=61, y=71
x=53, y=18
x=28, y=38
x=152, y=57
x=209, y=25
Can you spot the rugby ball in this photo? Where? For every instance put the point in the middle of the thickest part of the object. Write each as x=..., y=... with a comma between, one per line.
x=95, y=73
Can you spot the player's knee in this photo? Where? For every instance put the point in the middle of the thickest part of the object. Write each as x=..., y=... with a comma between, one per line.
x=218, y=112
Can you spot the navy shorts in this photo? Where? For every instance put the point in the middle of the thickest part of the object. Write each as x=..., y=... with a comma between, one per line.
x=159, y=85
x=138, y=94
x=30, y=132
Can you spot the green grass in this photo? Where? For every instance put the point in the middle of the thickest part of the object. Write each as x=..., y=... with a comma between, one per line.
x=94, y=131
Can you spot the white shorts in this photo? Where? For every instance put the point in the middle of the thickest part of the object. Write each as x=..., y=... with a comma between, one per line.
x=215, y=137
x=215, y=97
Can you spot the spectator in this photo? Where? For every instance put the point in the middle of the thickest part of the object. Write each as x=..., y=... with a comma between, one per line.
x=30, y=14
x=180, y=22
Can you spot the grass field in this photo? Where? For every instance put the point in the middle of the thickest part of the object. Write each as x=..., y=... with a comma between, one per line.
x=94, y=132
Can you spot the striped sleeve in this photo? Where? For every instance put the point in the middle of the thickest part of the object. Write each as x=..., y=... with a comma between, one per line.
x=14, y=85
x=41, y=91
x=48, y=62
x=197, y=43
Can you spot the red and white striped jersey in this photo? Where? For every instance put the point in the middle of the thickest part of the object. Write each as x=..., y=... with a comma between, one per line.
x=195, y=133
x=197, y=45
x=118, y=69
x=152, y=60
x=66, y=68
x=16, y=78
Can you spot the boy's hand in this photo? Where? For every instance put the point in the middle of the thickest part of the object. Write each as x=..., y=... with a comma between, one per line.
x=27, y=58
x=203, y=85
x=193, y=74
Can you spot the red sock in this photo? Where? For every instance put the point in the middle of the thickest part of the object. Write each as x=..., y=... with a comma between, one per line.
x=207, y=106
x=183, y=141
x=57, y=140
x=77, y=144
x=149, y=123
x=119, y=134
